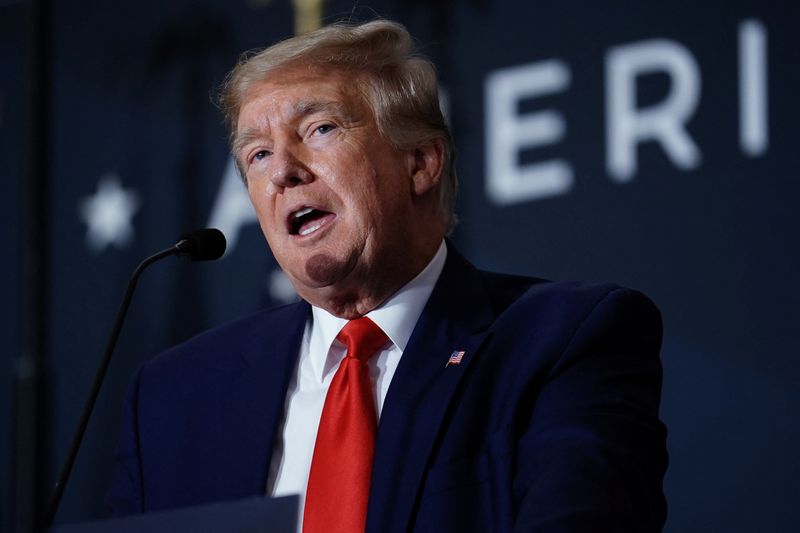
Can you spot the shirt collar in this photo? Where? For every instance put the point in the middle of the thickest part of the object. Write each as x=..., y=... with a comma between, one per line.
x=397, y=316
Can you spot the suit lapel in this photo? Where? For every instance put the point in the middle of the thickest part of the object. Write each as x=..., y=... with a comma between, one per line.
x=253, y=404
x=456, y=318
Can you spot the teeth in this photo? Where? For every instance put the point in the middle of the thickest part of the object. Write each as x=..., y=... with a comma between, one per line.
x=310, y=229
x=304, y=211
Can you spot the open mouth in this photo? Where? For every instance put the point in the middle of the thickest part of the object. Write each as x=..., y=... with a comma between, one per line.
x=307, y=220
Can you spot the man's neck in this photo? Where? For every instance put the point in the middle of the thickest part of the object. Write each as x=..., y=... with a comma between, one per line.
x=368, y=292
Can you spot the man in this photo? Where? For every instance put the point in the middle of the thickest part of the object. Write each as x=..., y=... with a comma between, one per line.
x=481, y=402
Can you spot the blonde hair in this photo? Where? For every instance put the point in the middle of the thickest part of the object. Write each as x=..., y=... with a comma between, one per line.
x=399, y=86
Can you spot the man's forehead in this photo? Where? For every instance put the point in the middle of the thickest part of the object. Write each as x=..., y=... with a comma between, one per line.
x=290, y=94
x=292, y=84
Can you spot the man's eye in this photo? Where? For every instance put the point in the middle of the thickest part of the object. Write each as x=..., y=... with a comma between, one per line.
x=325, y=128
x=261, y=154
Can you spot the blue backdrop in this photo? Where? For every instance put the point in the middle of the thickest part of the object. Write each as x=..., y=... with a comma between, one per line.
x=648, y=143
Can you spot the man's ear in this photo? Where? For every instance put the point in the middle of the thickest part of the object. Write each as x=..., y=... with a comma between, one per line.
x=427, y=166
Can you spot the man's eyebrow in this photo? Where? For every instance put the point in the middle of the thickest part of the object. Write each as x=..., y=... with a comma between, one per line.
x=301, y=109
x=320, y=106
x=244, y=138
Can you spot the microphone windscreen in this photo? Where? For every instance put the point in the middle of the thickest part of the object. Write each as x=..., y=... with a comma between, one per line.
x=202, y=245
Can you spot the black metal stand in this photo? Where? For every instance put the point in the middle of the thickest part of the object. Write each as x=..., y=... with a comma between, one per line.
x=88, y=407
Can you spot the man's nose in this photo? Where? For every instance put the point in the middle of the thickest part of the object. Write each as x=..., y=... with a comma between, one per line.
x=288, y=168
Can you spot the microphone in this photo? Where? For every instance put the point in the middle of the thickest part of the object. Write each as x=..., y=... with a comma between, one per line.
x=199, y=245
x=202, y=245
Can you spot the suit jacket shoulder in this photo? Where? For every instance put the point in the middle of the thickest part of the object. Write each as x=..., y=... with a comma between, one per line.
x=243, y=340
x=549, y=422
x=200, y=419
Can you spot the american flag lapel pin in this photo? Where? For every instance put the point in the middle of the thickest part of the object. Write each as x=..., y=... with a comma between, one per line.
x=455, y=358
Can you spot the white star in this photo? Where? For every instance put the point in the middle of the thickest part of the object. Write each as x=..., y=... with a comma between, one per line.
x=108, y=214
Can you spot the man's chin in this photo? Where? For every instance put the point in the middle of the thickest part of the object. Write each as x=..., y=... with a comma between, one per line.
x=324, y=270
x=323, y=281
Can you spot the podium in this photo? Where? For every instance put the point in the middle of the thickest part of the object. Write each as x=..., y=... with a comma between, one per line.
x=262, y=515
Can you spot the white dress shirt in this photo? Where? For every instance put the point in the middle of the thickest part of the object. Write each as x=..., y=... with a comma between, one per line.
x=319, y=358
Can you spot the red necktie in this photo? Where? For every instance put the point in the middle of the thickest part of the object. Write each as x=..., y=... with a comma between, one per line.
x=338, y=484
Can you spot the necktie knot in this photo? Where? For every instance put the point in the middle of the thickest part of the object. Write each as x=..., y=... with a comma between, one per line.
x=363, y=338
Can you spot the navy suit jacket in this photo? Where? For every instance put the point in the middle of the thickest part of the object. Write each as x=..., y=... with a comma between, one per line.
x=549, y=423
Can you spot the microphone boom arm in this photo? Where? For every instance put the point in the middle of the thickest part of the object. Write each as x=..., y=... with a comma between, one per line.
x=88, y=407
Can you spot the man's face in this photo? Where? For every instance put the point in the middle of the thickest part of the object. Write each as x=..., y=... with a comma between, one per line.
x=335, y=200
